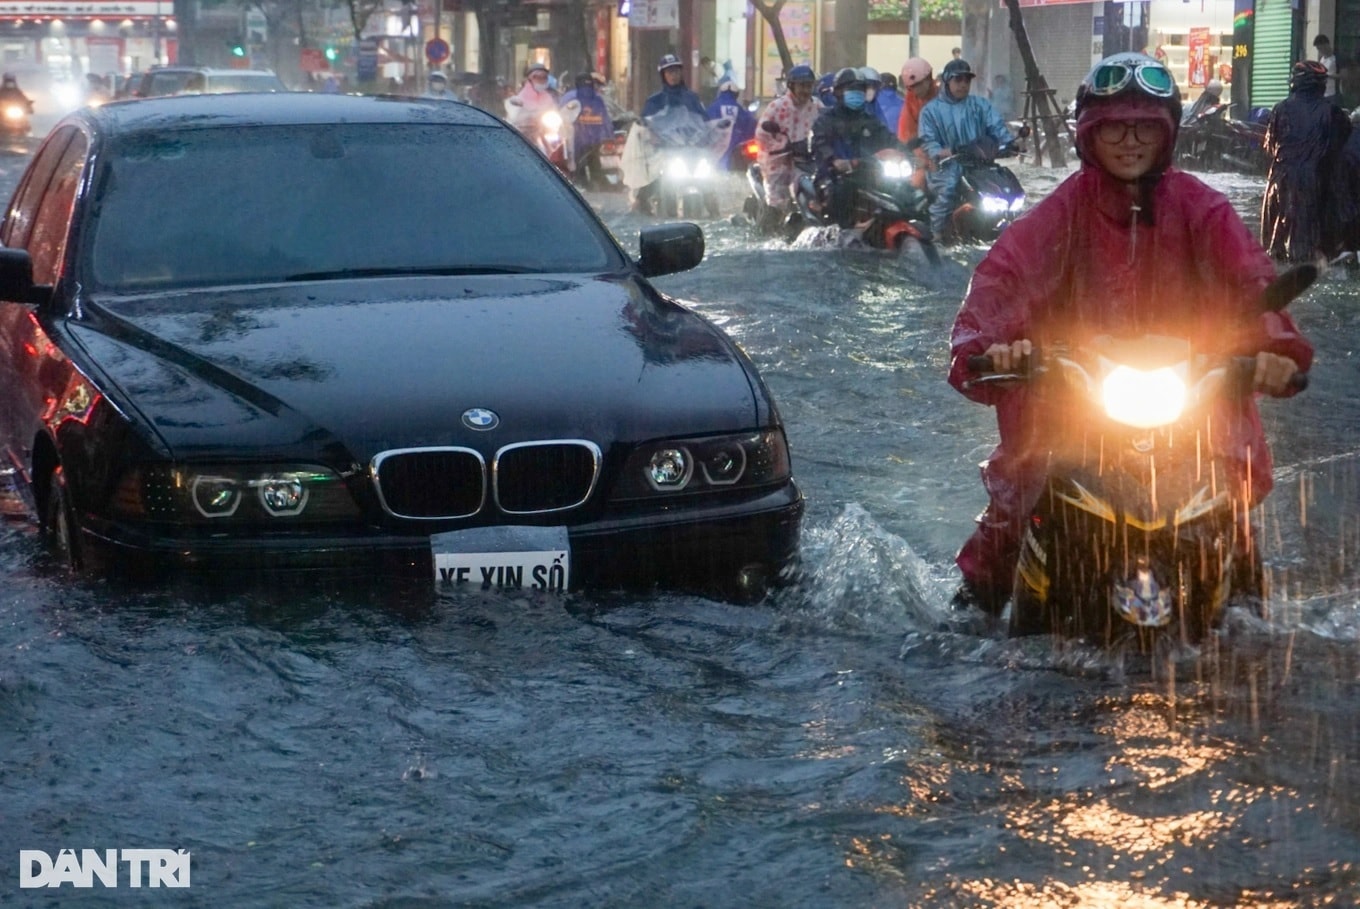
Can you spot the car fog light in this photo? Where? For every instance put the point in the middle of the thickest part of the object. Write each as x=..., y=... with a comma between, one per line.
x=282, y=495
x=216, y=497
x=669, y=468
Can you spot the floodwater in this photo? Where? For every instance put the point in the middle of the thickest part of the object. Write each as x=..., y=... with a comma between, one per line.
x=830, y=746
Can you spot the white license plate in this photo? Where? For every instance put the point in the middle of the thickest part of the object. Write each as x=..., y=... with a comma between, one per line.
x=515, y=558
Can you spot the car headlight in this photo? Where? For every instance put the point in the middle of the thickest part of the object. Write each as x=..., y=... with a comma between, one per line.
x=239, y=494
x=703, y=169
x=705, y=464
x=1143, y=399
x=677, y=168
x=995, y=205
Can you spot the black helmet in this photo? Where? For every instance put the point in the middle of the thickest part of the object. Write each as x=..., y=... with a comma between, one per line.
x=801, y=73
x=956, y=68
x=670, y=61
x=1308, y=77
x=847, y=77
x=1130, y=73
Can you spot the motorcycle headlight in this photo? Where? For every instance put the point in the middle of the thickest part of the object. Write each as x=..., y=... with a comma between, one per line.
x=551, y=121
x=995, y=205
x=1017, y=203
x=677, y=168
x=1143, y=399
x=703, y=170
x=895, y=170
x=14, y=112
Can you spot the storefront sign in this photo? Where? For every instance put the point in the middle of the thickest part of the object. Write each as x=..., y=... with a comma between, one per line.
x=1199, y=56
x=654, y=14
x=92, y=9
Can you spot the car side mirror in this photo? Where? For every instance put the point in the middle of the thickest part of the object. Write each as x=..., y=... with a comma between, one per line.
x=16, y=276
x=670, y=248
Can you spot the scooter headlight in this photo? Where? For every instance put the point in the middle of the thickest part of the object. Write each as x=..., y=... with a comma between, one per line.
x=703, y=170
x=995, y=205
x=1143, y=399
x=677, y=168
x=551, y=121
x=1017, y=203
x=14, y=113
x=895, y=170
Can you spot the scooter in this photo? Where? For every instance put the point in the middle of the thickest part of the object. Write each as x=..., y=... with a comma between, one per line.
x=769, y=220
x=1138, y=532
x=890, y=212
x=990, y=195
x=545, y=129
x=1214, y=141
x=685, y=148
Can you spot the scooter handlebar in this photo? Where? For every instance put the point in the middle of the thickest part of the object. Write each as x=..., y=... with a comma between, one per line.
x=1243, y=370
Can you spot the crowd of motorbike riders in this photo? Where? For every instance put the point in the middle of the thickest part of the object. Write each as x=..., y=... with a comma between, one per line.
x=1127, y=244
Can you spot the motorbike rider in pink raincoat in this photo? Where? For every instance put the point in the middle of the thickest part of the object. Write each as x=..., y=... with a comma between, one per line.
x=1127, y=245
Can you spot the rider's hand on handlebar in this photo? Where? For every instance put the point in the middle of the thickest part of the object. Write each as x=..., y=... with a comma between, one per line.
x=843, y=165
x=1010, y=357
x=1273, y=373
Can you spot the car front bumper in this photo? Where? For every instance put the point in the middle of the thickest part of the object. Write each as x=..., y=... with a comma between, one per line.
x=686, y=548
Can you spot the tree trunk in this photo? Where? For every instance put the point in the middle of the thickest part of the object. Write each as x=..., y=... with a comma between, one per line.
x=1041, y=107
x=770, y=13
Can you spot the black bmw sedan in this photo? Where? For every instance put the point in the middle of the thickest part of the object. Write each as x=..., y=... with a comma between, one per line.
x=308, y=331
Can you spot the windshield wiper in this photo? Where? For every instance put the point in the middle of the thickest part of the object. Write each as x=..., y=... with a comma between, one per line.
x=378, y=272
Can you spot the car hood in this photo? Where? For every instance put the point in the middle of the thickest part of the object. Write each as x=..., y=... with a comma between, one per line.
x=348, y=369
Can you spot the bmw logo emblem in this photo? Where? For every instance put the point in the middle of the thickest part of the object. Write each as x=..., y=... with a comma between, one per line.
x=480, y=418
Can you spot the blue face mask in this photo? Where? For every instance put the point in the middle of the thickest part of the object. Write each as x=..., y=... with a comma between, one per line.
x=853, y=100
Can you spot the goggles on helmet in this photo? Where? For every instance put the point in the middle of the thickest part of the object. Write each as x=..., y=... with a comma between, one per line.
x=1113, y=77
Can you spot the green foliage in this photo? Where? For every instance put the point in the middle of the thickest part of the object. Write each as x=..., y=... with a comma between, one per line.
x=931, y=10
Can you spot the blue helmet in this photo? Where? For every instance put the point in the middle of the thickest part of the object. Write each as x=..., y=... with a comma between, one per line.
x=801, y=73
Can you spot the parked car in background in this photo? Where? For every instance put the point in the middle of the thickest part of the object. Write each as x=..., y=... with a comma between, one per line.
x=205, y=80
x=316, y=331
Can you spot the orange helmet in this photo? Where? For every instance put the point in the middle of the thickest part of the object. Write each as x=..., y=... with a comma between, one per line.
x=915, y=70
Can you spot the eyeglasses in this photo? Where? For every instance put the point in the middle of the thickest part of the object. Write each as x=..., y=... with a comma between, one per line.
x=1112, y=78
x=1145, y=132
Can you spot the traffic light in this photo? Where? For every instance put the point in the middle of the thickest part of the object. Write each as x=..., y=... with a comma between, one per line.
x=238, y=47
x=331, y=53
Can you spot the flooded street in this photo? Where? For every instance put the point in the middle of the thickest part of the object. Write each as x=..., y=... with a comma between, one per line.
x=833, y=745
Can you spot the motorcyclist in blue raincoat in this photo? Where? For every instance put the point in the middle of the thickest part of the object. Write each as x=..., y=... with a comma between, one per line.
x=888, y=102
x=953, y=120
x=592, y=127
x=673, y=93
x=728, y=105
x=673, y=90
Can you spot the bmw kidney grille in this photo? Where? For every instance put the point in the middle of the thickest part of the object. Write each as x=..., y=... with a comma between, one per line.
x=523, y=478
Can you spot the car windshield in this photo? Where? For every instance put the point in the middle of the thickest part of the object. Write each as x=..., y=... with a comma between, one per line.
x=200, y=207
x=244, y=82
